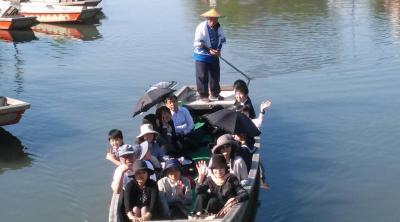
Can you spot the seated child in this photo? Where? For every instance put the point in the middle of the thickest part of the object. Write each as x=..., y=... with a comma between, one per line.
x=116, y=140
x=174, y=191
x=217, y=193
x=141, y=194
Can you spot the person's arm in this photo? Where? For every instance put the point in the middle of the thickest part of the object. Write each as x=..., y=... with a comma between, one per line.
x=264, y=106
x=189, y=121
x=153, y=201
x=241, y=193
x=222, y=38
x=240, y=170
x=111, y=157
x=199, y=36
x=118, y=178
x=163, y=199
x=188, y=192
x=129, y=200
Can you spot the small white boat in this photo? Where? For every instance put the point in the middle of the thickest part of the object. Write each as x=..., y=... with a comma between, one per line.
x=70, y=2
x=11, y=110
x=47, y=12
x=10, y=20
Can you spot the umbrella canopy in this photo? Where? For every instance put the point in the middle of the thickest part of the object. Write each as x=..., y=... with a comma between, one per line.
x=150, y=98
x=233, y=122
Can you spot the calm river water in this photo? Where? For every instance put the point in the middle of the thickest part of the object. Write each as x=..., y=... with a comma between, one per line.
x=330, y=143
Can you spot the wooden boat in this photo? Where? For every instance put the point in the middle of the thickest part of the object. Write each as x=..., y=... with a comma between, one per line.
x=244, y=211
x=11, y=110
x=70, y=2
x=9, y=20
x=46, y=12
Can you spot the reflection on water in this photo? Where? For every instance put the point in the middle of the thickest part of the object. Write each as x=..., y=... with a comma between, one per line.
x=17, y=36
x=85, y=32
x=12, y=153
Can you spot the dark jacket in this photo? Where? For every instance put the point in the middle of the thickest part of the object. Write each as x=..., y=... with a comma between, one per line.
x=230, y=188
x=134, y=196
x=252, y=113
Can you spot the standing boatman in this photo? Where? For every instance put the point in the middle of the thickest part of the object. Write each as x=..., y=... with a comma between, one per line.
x=208, y=41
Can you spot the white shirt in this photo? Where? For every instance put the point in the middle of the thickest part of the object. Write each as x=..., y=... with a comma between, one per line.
x=183, y=121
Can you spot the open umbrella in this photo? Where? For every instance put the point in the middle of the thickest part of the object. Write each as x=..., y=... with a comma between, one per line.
x=150, y=98
x=233, y=122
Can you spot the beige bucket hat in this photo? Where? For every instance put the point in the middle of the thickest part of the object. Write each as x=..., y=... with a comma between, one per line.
x=146, y=128
x=212, y=13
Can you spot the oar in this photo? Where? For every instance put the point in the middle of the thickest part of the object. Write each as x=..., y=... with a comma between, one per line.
x=230, y=64
x=246, y=76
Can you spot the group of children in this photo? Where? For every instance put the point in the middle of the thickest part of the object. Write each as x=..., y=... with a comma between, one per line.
x=150, y=179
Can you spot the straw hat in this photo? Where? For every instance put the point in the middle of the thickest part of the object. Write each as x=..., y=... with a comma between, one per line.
x=225, y=140
x=212, y=13
x=146, y=128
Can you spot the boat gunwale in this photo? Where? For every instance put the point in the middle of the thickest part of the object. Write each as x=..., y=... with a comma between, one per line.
x=13, y=106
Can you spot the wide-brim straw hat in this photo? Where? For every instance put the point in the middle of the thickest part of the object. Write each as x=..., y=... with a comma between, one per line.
x=141, y=165
x=212, y=13
x=225, y=140
x=145, y=129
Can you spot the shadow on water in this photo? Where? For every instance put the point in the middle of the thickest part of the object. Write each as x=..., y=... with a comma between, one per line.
x=17, y=36
x=12, y=153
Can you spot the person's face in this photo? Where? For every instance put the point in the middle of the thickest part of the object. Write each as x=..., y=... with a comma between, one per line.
x=226, y=150
x=141, y=176
x=172, y=105
x=173, y=174
x=166, y=116
x=149, y=137
x=219, y=172
x=212, y=21
x=115, y=142
x=240, y=96
x=127, y=159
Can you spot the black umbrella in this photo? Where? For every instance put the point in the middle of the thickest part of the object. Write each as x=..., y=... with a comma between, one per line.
x=150, y=98
x=233, y=122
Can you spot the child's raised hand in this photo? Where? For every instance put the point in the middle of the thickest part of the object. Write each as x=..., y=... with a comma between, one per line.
x=265, y=105
x=201, y=168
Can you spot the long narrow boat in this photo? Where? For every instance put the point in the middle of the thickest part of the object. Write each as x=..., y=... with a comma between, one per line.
x=11, y=110
x=244, y=211
x=71, y=2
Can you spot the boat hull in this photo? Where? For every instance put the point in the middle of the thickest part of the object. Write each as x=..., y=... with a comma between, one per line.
x=14, y=23
x=58, y=13
x=12, y=112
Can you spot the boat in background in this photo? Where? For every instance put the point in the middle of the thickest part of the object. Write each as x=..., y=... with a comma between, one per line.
x=10, y=20
x=48, y=12
x=11, y=110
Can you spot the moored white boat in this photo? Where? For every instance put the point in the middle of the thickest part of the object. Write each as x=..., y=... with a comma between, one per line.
x=11, y=110
x=47, y=12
